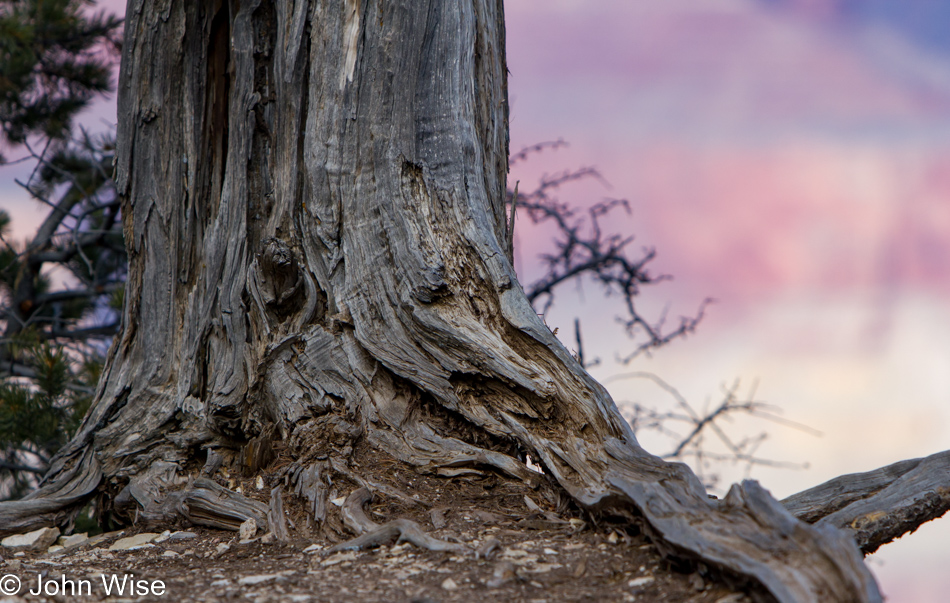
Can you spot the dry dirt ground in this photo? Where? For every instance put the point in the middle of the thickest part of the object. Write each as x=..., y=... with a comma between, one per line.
x=518, y=551
x=543, y=565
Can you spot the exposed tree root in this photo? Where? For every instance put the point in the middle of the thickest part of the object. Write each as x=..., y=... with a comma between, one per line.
x=373, y=534
x=56, y=502
x=348, y=288
x=352, y=512
x=878, y=506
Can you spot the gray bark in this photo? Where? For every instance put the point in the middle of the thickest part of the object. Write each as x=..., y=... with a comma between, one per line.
x=314, y=207
x=878, y=506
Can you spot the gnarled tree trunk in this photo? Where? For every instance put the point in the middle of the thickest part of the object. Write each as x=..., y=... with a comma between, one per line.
x=314, y=208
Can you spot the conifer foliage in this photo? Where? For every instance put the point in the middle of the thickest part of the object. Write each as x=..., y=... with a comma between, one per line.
x=61, y=290
x=54, y=59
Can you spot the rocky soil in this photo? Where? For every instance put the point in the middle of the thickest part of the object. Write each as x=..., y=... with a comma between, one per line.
x=517, y=544
x=512, y=565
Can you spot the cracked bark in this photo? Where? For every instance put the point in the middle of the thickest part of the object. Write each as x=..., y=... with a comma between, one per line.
x=879, y=506
x=313, y=200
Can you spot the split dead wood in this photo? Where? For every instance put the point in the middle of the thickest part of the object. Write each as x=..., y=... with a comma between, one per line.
x=878, y=506
x=276, y=520
x=207, y=503
x=160, y=495
x=373, y=534
x=310, y=484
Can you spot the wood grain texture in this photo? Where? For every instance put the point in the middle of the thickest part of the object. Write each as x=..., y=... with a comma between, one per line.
x=313, y=196
x=878, y=506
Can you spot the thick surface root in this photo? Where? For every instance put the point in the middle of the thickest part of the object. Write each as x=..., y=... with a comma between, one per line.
x=373, y=534
x=878, y=506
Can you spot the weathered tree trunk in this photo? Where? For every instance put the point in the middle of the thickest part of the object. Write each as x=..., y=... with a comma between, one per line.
x=314, y=208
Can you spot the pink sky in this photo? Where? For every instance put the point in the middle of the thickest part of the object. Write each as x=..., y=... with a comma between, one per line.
x=761, y=153
x=797, y=171
x=796, y=167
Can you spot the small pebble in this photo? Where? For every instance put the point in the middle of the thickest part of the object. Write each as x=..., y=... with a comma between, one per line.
x=182, y=535
x=248, y=529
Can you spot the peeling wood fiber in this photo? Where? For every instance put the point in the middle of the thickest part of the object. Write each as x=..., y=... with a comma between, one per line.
x=313, y=195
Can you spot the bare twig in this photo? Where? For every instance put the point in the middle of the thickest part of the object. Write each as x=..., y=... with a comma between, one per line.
x=693, y=444
x=583, y=249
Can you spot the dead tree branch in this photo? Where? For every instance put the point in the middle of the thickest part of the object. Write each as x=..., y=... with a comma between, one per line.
x=693, y=444
x=584, y=249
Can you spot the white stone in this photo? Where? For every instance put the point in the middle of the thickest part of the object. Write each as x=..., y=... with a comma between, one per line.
x=259, y=484
x=182, y=535
x=259, y=579
x=221, y=549
x=73, y=540
x=163, y=537
x=449, y=584
x=313, y=548
x=513, y=553
x=170, y=554
x=640, y=581
x=37, y=540
x=133, y=542
x=248, y=529
x=55, y=548
x=338, y=501
x=338, y=558
x=540, y=568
